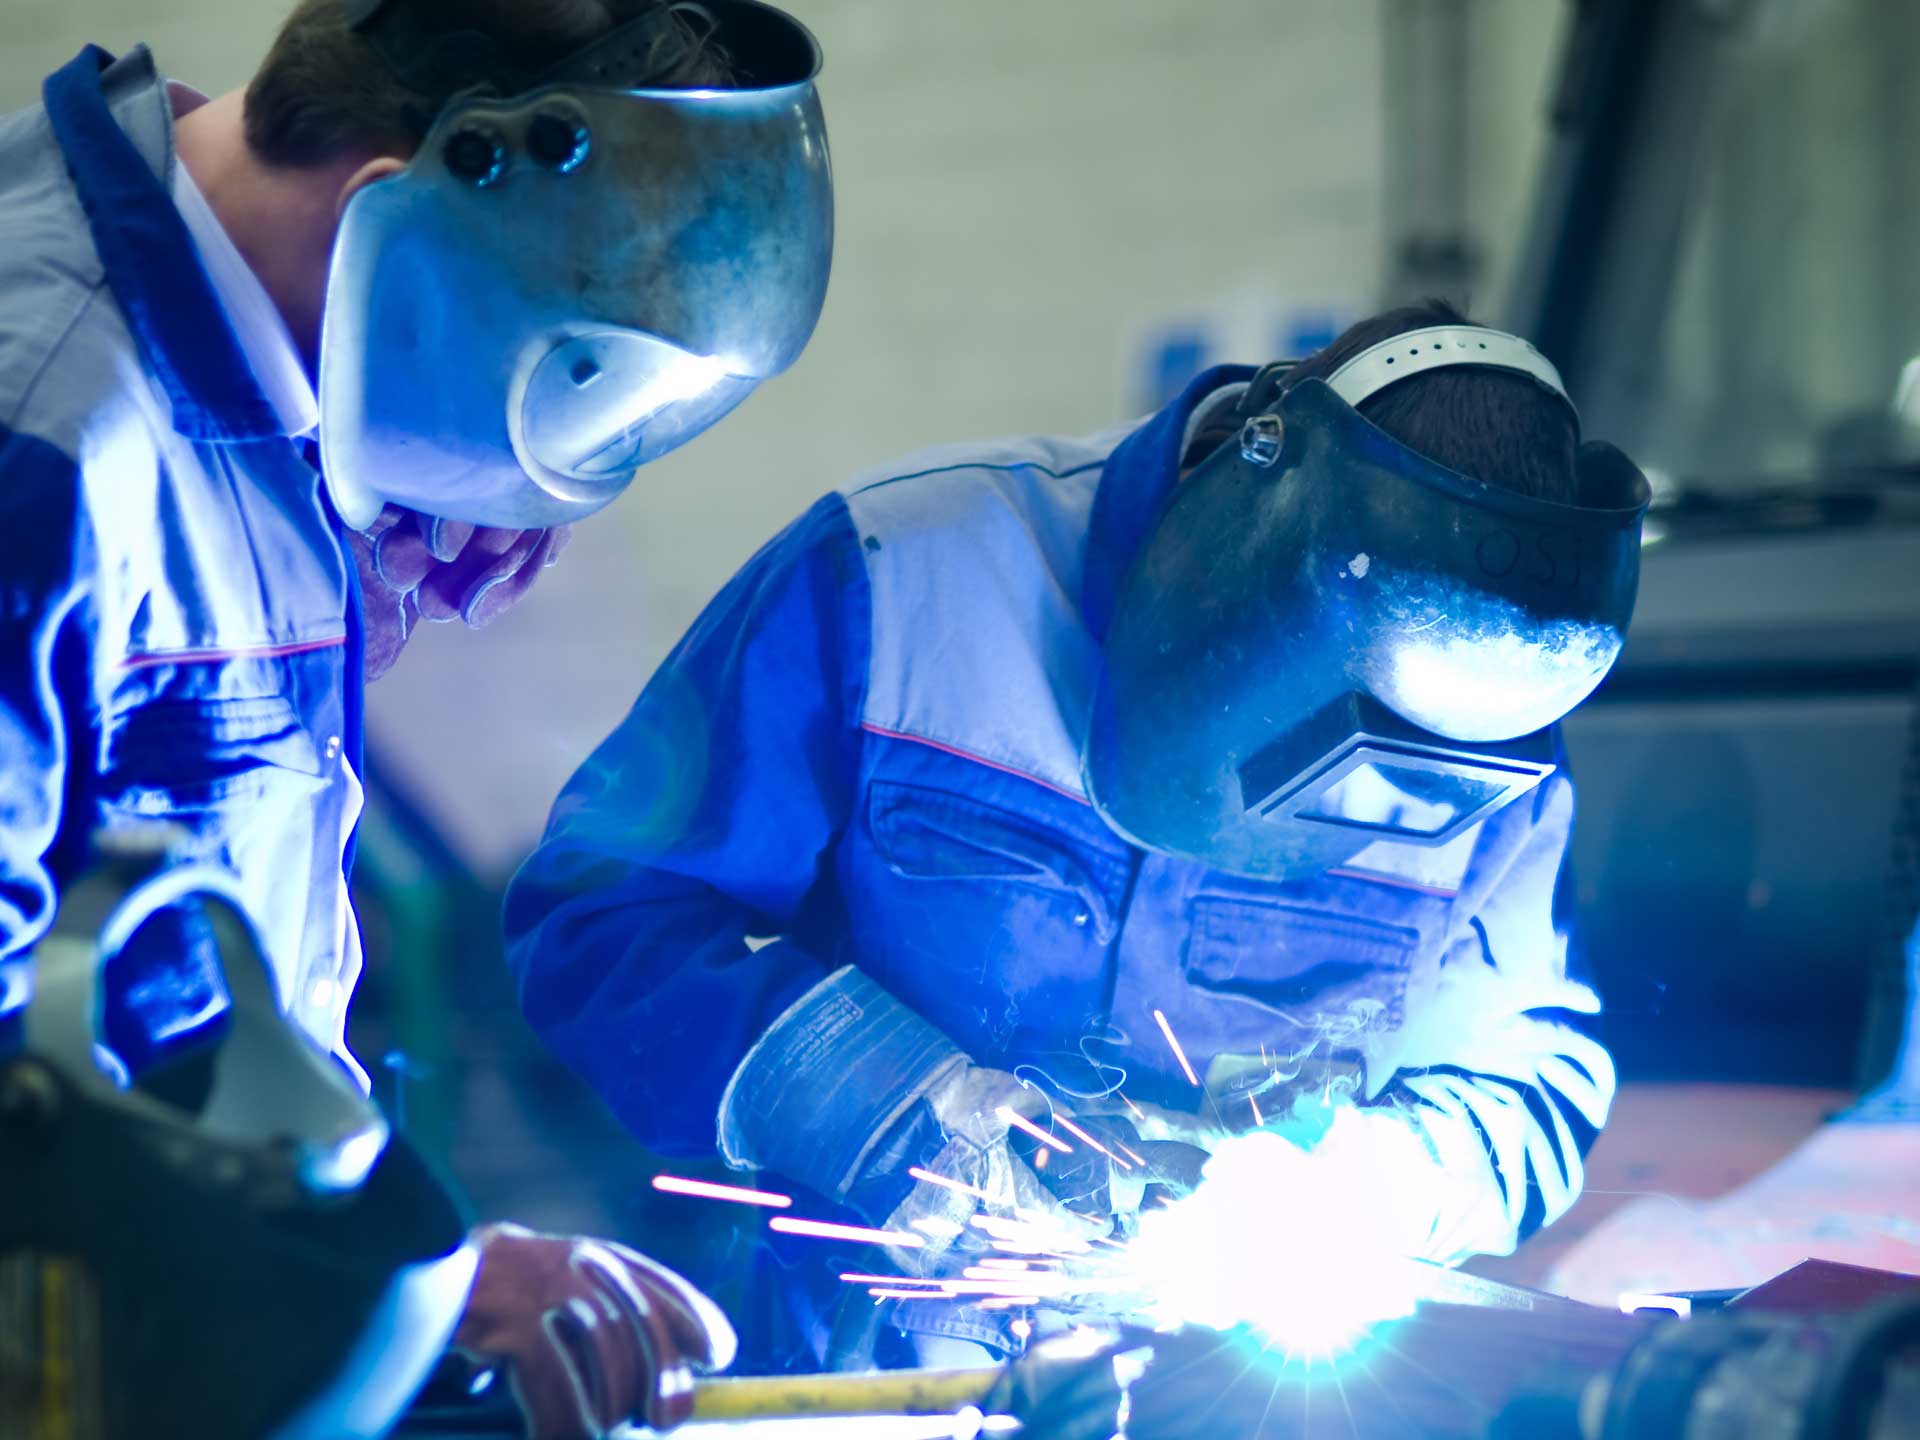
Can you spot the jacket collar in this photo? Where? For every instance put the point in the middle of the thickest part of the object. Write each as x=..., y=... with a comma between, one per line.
x=148, y=254
x=1135, y=486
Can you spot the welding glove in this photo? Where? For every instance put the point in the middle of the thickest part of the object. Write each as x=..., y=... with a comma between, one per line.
x=849, y=1089
x=964, y=1113
x=591, y=1335
x=1106, y=1169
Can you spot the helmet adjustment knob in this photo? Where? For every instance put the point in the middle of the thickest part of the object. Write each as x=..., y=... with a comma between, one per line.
x=1260, y=440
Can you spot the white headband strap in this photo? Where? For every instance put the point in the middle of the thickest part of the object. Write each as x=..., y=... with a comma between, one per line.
x=1440, y=347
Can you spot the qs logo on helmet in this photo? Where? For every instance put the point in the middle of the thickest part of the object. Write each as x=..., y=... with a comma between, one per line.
x=1546, y=559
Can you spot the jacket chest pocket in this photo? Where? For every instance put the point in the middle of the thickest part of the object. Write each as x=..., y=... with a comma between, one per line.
x=970, y=907
x=194, y=760
x=1316, y=966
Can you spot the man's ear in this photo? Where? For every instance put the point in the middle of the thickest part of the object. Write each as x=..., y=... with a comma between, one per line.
x=381, y=169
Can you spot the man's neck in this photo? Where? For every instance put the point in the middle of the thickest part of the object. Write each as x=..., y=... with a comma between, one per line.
x=282, y=220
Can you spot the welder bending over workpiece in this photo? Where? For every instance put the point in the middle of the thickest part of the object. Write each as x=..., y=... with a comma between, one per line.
x=1054, y=767
x=441, y=241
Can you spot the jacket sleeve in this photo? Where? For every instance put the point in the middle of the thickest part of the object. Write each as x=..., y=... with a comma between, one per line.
x=42, y=592
x=706, y=818
x=1499, y=1078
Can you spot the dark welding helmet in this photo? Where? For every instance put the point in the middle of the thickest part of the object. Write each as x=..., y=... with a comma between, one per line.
x=1329, y=640
x=255, y=1258
x=575, y=274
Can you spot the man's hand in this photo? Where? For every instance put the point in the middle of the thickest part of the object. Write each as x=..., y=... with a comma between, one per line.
x=1090, y=1176
x=415, y=567
x=1108, y=1172
x=984, y=1175
x=591, y=1335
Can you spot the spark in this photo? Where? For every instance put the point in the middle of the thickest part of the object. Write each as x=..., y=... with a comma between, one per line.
x=991, y=1288
x=706, y=1189
x=1288, y=1242
x=1138, y=1113
x=1160, y=1019
x=826, y=1230
x=1044, y=1252
x=945, y=1182
x=1032, y=1237
x=1073, y=1129
x=1014, y=1118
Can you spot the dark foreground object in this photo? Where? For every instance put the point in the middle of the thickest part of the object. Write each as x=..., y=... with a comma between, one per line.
x=1824, y=1352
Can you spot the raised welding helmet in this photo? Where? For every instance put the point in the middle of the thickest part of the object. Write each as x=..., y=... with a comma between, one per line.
x=574, y=275
x=239, y=1253
x=1330, y=641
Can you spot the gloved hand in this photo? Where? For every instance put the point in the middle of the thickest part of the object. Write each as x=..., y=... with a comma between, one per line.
x=970, y=1104
x=590, y=1334
x=850, y=1089
x=417, y=567
x=1116, y=1173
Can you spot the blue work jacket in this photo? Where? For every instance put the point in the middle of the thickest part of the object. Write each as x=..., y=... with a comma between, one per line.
x=175, y=602
x=867, y=752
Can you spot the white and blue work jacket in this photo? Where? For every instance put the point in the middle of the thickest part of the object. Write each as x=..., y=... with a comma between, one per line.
x=869, y=749
x=178, y=624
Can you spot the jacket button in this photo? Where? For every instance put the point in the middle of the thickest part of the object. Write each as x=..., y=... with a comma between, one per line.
x=333, y=747
x=1082, y=918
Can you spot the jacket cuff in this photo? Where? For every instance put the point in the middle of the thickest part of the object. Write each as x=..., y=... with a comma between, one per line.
x=828, y=1082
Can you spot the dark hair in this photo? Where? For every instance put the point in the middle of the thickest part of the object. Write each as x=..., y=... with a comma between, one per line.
x=1495, y=426
x=324, y=91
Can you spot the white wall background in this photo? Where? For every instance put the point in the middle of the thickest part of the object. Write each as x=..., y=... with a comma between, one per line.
x=1024, y=185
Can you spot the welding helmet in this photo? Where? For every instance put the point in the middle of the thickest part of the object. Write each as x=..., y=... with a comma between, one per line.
x=257, y=1257
x=1329, y=640
x=573, y=276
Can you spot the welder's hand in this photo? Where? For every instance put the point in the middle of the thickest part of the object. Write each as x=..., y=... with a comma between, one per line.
x=971, y=1104
x=1106, y=1171
x=591, y=1335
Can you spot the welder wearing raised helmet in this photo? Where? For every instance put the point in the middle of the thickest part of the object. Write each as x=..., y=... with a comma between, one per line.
x=286, y=371
x=1198, y=775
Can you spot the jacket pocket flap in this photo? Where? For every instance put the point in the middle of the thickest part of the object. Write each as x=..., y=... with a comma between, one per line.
x=935, y=835
x=1287, y=954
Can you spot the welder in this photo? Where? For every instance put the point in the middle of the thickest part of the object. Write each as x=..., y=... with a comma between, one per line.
x=1196, y=776
x=283, y=373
